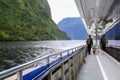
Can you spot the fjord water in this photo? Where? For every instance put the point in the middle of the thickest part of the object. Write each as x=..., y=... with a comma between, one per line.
x=13, y=53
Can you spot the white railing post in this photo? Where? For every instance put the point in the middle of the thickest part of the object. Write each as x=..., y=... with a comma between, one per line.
x=75, y=49
x=72, y=50
x=67, y=52
x=48, y=60
x=19, y=75
x=60, y=55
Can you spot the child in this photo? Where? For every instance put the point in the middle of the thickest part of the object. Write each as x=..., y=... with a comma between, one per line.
x=94, y=49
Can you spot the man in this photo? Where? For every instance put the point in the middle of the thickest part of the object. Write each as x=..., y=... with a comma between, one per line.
x=103, y=42
x=89, y=43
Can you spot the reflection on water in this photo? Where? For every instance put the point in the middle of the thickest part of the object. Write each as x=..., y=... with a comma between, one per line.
x=15, y=53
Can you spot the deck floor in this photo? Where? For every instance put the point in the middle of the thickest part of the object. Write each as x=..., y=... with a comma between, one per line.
x=100, y=67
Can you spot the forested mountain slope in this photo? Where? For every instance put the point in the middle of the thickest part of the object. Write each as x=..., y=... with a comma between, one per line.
x=27, y=20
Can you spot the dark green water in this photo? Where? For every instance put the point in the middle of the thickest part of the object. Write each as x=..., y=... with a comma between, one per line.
x=16, y=53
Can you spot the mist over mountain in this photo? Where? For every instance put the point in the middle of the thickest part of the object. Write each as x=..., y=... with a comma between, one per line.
x=74, y=28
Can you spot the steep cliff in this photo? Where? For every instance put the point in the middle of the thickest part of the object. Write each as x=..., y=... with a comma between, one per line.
x=27, y=20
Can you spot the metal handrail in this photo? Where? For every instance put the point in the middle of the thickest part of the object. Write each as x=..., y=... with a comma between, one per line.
x=114, y=46
x=19, y=69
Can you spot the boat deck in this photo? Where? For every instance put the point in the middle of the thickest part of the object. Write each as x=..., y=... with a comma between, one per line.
x=100, y=66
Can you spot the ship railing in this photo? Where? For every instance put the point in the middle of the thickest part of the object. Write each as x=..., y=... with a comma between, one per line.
x=114, y=46
x=20, y=68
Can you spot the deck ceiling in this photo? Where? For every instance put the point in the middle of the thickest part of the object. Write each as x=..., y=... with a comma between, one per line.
x=99, y=16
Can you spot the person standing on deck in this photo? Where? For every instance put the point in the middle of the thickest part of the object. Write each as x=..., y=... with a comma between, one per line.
x=103, y=42
x=89, y=43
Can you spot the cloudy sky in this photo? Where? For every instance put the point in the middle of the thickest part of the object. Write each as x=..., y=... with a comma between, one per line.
x=63, y=8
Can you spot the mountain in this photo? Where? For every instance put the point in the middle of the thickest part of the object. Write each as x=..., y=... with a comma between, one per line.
x=27, y=20
x=114, y=33
x=74, y=28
